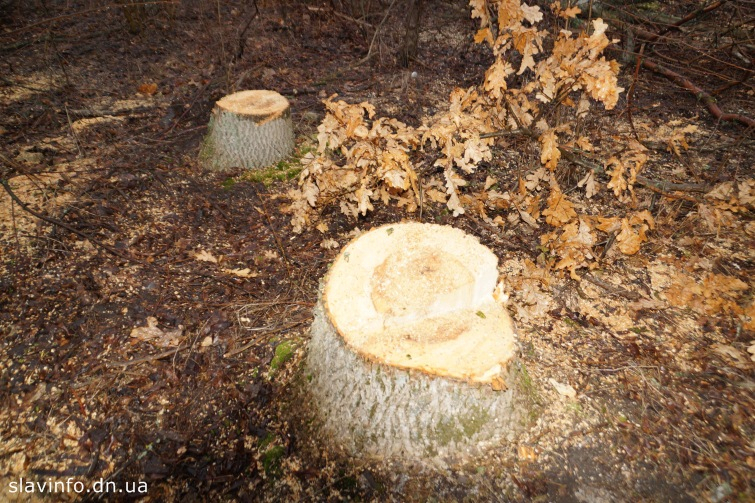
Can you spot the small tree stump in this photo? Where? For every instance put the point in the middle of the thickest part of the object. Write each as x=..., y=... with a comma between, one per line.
x=248, y=129
x=411, y=354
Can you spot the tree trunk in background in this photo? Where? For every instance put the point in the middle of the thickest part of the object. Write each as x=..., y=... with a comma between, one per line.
x=411, y=32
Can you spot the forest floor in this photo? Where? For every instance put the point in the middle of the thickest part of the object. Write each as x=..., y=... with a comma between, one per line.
x=101, y=118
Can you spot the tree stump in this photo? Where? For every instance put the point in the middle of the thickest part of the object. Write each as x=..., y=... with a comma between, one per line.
x=248, y=129
x=411, y=354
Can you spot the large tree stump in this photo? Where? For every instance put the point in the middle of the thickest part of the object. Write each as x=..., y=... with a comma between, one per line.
x=248, y=129
x=411, y=354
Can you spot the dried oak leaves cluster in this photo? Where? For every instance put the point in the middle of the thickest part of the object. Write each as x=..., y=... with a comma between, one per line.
x=362, y=159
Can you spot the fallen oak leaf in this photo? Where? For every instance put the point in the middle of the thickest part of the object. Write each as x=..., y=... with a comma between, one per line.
x=148, y=89
x=591, y=186
x=329, y=244
x=560, y=210
x=563, y=389
x=498, y=383
x=206, y=256
x=154, y=335
x=242, y=273
x=731, y=353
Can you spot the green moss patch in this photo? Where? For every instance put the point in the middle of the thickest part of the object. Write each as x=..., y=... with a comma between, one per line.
x=283, y=352
x=282, y=171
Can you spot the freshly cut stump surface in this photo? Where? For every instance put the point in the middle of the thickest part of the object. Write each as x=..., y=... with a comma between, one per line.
x=248, y=129
x=411, y=354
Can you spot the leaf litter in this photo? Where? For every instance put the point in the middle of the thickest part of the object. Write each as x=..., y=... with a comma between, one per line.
x=635, y=310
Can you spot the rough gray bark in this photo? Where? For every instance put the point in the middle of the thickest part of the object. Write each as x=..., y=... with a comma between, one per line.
x=411, y=356
x=249, y=129
x=377, y=411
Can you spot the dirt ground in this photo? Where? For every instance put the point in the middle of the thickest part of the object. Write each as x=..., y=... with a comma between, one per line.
x=102, y=111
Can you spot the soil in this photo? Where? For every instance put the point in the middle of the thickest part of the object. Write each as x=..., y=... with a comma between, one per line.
x=154, y=321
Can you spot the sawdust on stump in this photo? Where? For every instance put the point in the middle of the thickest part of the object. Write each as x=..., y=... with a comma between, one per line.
x=411, y=355
x=248, y=129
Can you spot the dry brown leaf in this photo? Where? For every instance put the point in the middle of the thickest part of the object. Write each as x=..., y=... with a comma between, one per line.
x=526, y=454
x=205, y=256
x=148, y=89
x=498, y=383
x=560, y=210
x=549, y=152
x=489, y=182
x=536, y=178
x=569, y=13
x=436, y=196
x=242, y=273
x=563, y=389
x=731, y=354
x=629, y=239
x=746, y=194
x=716, y=293
x=617, y=183
x=589, y=183
x=329, y=244
x=528, y=219
x=678, y=137
x=495, y=78
x=154, y=335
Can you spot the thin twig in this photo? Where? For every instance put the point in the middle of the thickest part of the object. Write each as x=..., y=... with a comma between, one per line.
x=257, y=339
x=630, y=93
x=707, y=99
x=73, y=131
x=278, y=242
x=67, y=227
x=242, y=36
x=151, y=358
x=692, y=15
x=81, y=13
x=575, y=157
x=374, y=36
x=341, y=15
x=612, y=289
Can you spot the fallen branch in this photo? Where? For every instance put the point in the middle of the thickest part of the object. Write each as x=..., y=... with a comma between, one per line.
x=82, y=113
x=67, y=227
x=710, y=101
x=692, y=15
x=339, y=14
x=257, y=339
x=151, y=358
x=576, y=158
x=612, y=289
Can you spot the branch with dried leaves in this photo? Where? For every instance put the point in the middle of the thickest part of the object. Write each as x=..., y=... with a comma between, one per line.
x=576, y=157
